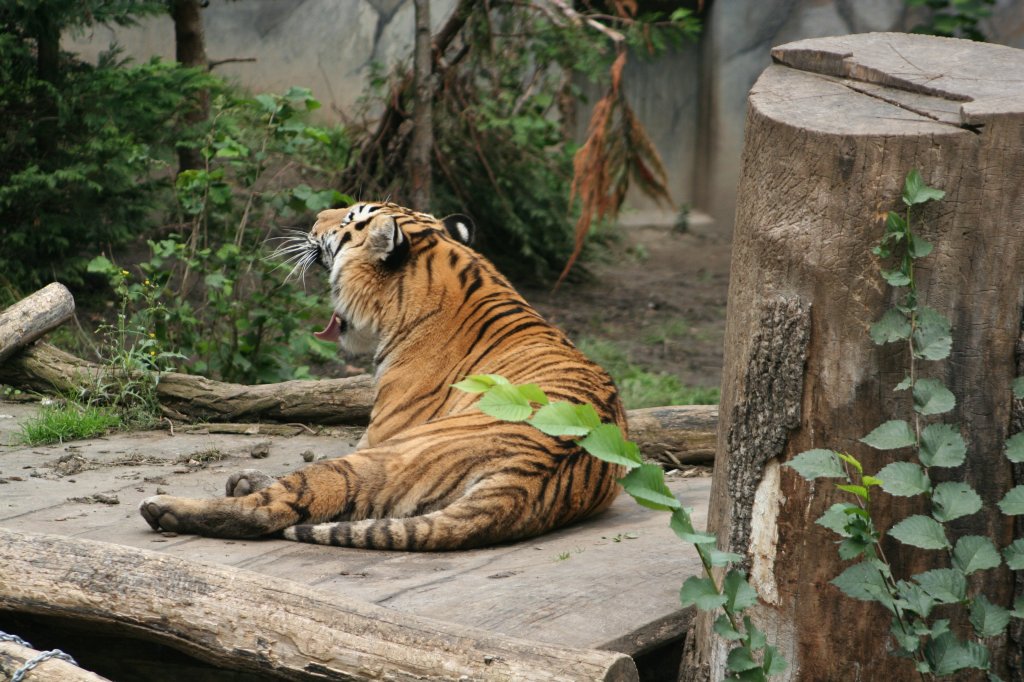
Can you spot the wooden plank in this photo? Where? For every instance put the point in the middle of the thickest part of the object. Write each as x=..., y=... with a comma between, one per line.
x=611, y=582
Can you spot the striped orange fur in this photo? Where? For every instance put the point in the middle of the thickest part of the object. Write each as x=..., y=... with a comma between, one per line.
x=433, y=472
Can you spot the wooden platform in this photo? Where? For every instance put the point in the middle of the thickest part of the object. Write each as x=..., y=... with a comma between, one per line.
x=610, y=583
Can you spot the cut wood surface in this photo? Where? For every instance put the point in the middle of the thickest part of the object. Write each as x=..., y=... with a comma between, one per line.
x=833, y=128
x=33, y=316
x=236, y=619
x=673, y=436
x=611, y=582
x=13, y=658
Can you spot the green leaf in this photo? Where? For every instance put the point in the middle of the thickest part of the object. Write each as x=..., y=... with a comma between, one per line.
x=533, y=393
x=975, y=553
x=1018, y=388
x=724, y=629
x=895, y=225
x=988, y=619
x=944, y=585
x=852, y=461
x=862, y=581
x=896, y=278
x=952, y=500
x=932, y=338
x=506, y=403
x=739, y=594
x=904, y=479
x=946, y=654
x=1018, y=607
x=817, y=464
x=563, y=419
x=100, y=264
x=892, y=326
x=916, y=192
x=915, y=598
x=909, y=642
x=890, y=436
x=756, y=638
x=931, y=397
x=903, y=385
x=918, y=247
x=920, y=531
x=1014, y=554
x=717, y=557
x=774, y=662
x=479, y=383
x=835, y=519
x=858, y=490
x=740, y=660
x=607, y=444
x=646, y=484
x=1013, y=503
x=942, y=446
x=1015, y=448
x=700, y=592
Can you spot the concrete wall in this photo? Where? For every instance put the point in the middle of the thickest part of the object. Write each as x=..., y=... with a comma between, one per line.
x=692, y=100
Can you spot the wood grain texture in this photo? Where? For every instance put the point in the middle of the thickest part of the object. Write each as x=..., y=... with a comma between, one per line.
x=832, y=130
x=33, y=316
x=611, y=582
x=234, y=618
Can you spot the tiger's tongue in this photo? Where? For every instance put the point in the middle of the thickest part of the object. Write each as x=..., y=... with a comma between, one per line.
x=332, y=332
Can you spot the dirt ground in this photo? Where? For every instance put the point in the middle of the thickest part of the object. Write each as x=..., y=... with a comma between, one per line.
x=662, y=301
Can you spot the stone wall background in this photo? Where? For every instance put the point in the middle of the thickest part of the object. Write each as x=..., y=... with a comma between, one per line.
x=692, y=100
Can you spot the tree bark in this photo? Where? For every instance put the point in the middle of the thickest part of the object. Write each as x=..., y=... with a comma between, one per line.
x=832, y=129
x=235, y=619
x=33, y=316
x=422, y=144
x=190, y=50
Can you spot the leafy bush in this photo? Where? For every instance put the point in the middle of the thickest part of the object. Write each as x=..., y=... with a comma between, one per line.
x=224, y=302
x=80, y=162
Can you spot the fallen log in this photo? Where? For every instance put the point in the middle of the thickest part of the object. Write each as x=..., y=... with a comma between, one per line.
x=33, y=316
x=674, y=436
x=242, y=621
x=14, y=657
x=188, y=397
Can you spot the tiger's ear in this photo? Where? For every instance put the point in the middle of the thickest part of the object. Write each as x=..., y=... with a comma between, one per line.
x=387, y=242
x=460, y=227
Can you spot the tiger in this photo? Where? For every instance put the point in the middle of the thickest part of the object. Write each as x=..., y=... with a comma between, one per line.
x=433, y=472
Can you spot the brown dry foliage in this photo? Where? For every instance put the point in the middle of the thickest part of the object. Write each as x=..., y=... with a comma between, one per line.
x=617, y=150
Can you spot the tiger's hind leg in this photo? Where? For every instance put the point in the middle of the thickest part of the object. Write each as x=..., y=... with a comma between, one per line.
x=247, y=481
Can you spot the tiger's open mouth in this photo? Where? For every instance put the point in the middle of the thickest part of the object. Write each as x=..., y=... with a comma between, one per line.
x=334, y=329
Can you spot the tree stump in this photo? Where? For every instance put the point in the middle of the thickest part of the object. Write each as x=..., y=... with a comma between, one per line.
x=832, y=130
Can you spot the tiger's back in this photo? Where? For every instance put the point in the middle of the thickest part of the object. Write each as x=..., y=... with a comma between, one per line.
x=436, y=473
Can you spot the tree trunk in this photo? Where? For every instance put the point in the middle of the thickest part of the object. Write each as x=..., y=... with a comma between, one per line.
x=190, y=50
x=33, y=316
x=832, y=129
x=243, y=621
x=422, y=112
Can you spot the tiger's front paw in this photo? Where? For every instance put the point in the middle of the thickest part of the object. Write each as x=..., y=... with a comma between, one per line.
x=247, y=481
x=159, y=513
